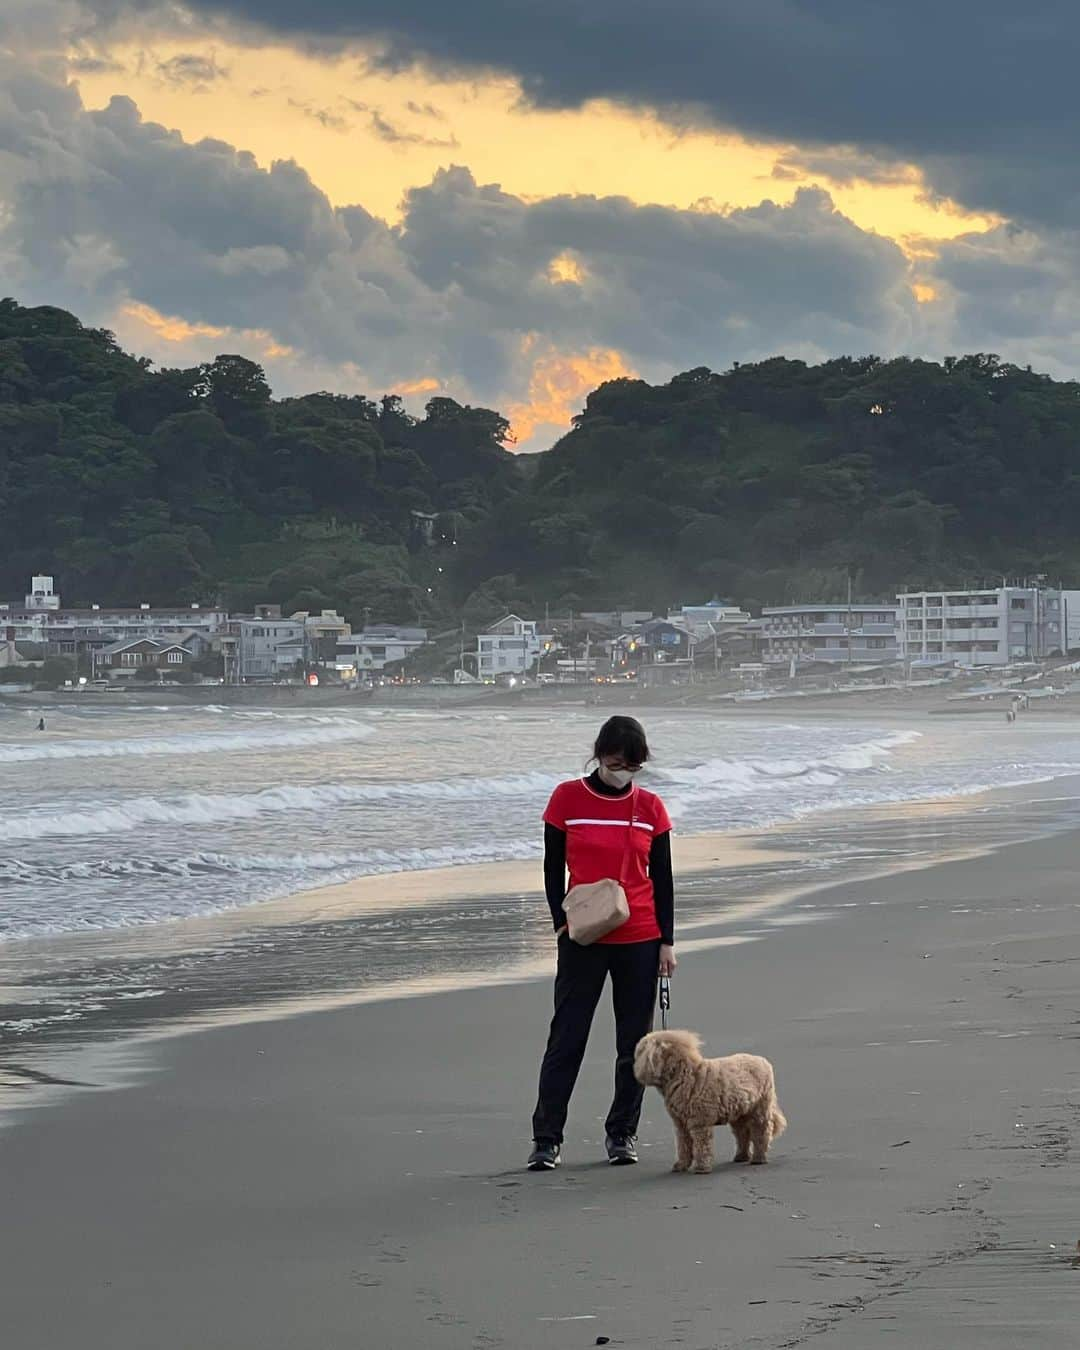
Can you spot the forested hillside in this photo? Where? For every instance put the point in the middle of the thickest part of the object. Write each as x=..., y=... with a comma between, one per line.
x=768, y=483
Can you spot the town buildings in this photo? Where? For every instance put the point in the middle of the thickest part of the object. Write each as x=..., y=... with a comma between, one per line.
x=989, y=627
x=837, y=633
x=42, y=623
x=379, y=645
x=123, y=659
x=509, y=647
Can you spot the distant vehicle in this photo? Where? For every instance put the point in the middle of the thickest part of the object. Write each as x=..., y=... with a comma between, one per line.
x=438, y=679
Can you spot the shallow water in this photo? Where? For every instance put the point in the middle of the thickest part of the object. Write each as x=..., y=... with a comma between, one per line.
x=123, y=816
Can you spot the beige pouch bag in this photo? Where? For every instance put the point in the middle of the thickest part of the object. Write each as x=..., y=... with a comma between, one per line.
x=597, y=908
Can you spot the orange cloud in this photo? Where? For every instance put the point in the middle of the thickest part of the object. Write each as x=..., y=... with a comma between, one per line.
x=422, y=386
x=923, y=292
x=558, y=385
x=170, y=326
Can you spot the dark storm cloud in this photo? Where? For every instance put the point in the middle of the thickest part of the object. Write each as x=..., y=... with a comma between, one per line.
x=972, y=90
x=102, y=207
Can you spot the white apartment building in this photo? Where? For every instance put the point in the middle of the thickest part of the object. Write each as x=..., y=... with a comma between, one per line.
x=509, y=647
x=1070, y=619
x=378, y=646
x=266, y=648
x=81, y=632
x=848, y=634
x=991, y=627
x=42, y=595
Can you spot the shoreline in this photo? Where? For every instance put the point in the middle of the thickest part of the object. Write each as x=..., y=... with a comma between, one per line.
x=359, y=1171
x=748, y=880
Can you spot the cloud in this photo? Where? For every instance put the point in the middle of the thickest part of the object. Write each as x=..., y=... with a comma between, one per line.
x=97, y=200
x=324, y=116
x=970, y=91
x=386, y=131
x=478, y=292
x=190, y=70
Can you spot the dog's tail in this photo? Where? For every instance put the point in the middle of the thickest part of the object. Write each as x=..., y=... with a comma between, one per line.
x=777, y=1120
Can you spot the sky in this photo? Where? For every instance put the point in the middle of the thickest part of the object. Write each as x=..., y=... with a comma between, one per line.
x=509, y=202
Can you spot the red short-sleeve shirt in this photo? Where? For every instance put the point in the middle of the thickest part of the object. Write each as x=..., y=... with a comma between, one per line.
x=598, y=830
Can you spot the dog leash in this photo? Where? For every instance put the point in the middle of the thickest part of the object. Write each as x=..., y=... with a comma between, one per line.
x=665, y=999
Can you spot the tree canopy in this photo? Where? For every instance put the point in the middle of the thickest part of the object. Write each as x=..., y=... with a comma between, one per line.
x=768, y=483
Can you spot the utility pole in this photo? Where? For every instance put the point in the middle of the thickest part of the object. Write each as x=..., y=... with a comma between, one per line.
x=850, y=653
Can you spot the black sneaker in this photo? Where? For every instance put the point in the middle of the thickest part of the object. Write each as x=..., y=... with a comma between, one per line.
x=545, y=1155
x=621, y=1149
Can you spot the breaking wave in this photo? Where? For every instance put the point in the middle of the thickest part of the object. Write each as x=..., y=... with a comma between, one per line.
x=211, y=742
x=216, y=808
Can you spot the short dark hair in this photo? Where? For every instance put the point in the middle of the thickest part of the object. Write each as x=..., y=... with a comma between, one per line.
x=623, y=736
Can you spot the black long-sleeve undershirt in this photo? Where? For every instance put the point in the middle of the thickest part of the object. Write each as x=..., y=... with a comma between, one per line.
x=659, y=873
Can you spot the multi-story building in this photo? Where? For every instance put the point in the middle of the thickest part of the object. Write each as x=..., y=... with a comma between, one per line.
x=266, y=647
x=81, y=632
x=509, y=647
x=841, y=634
x=991, y=627
x=324, y=631
x=1070, y=620
x=378, y=646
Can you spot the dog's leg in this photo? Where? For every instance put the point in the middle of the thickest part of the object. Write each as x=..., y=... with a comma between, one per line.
x=760, y=1136
x=684, y=1148
x=702, y=1144
x=741, y=1130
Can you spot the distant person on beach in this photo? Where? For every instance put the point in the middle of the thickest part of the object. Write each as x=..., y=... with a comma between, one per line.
x=41, y=724
x=581, y=832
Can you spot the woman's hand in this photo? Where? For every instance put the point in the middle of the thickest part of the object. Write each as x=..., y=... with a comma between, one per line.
x=667, y=961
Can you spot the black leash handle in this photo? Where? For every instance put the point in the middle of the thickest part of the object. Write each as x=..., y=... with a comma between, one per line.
x=665, y=999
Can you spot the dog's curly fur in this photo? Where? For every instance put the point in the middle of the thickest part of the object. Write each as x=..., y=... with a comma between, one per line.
x=699, y=1093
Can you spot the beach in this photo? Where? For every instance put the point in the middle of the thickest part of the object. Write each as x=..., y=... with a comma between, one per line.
x=353, y=1177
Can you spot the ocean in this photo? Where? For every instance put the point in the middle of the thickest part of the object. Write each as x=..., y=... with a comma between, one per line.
x=115, y=821
x=114, y=817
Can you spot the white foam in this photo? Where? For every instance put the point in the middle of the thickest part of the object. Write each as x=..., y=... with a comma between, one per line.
x=213, y=808
x=212, y=742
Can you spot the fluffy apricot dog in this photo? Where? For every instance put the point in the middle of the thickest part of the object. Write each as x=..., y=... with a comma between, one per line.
x=700, y=1093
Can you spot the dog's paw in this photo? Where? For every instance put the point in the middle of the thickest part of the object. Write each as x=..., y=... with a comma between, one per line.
x=741, y=1157
x=758, y=1162
x=702, y=1169
x=678, y=1167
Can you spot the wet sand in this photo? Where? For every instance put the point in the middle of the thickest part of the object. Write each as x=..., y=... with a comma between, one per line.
x=351, y=1178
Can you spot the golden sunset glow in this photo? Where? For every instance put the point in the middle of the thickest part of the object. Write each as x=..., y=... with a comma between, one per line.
x=923, y=293
x=169, y=326
x=365, y=137
x=565, y=268
x=558, y=385
x=173, y=329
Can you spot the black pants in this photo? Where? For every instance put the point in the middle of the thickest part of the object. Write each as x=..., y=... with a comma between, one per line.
x=579, y=982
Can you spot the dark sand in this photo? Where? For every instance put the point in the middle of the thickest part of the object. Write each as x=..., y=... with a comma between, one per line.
x=352, y=1178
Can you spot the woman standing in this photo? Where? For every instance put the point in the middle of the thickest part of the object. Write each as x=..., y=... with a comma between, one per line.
x=582, y=831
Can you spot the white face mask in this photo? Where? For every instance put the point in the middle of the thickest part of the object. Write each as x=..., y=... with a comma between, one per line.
x=616, y=778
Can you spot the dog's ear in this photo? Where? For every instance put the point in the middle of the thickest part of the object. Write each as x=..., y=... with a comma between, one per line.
x=645, y=1058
